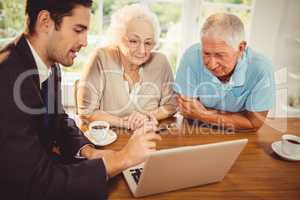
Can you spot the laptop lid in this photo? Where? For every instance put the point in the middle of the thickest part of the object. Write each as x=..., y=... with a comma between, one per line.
x=188, y=166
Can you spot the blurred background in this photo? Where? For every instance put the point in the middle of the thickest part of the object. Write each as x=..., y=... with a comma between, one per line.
x=272, y=28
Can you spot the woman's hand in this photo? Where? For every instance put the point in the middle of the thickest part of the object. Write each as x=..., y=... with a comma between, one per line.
x=136, y=120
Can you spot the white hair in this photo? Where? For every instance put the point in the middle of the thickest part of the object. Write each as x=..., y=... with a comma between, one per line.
x=225, y=26
x=121, y=18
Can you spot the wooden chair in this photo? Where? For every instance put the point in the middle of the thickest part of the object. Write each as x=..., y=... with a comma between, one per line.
x=75, y=95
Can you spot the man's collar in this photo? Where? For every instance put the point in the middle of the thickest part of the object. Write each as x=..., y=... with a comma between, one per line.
x=44, y=71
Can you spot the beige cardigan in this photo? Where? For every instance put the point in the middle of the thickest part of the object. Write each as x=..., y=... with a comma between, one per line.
x=102, y=85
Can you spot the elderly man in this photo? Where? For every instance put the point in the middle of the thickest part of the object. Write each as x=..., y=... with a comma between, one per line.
x=222, y=81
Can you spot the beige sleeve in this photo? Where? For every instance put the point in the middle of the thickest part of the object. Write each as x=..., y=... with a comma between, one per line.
x=91, y=86
x=167, y=92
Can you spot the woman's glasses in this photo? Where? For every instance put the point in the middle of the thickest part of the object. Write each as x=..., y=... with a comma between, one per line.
x=136, y=43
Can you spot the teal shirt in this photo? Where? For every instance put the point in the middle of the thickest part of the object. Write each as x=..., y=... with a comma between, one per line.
x=251, y=86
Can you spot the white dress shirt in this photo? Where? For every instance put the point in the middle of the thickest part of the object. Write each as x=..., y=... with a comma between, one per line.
x=44, y=73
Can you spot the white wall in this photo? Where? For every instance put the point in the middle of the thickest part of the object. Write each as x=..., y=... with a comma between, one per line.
x=275, y=29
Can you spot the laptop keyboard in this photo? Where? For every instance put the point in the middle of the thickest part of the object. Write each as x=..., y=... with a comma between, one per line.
x=136, y=174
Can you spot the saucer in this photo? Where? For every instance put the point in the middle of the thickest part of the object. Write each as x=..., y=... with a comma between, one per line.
x=112, y=136
x=276, y=146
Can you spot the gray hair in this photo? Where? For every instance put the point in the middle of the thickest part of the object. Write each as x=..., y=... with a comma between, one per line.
x=121, y=18
x=224, y=26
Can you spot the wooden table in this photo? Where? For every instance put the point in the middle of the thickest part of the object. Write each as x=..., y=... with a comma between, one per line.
x=257, y=174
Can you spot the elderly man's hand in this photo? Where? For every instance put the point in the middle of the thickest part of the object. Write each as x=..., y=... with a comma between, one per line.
x=190, y=107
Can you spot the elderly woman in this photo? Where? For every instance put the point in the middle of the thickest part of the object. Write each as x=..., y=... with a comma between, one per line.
x=127, y=83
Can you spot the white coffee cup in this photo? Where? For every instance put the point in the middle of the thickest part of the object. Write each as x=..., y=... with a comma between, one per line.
x=290, y=145
x=99, y=130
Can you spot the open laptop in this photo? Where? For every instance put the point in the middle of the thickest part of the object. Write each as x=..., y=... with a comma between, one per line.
x=183, y=167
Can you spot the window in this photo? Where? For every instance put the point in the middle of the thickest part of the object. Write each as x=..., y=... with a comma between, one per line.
x=180, y=22
x=11, y=19
x=241, y=8
x=168, y=13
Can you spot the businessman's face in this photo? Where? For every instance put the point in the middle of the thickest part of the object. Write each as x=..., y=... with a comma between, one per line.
x=65, y=41
x=220, y=58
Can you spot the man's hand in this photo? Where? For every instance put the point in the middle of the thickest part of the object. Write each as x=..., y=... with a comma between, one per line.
x=190, y=107
x=140, y=144
x=91, y=153
x=97, y=154
x=240, y=121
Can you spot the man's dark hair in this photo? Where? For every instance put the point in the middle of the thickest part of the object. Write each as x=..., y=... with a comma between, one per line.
x=57, y=9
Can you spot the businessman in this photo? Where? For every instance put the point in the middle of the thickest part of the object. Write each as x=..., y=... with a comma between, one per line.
x=33, y=122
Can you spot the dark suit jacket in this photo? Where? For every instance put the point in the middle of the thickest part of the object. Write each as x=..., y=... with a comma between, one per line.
x=28, y=167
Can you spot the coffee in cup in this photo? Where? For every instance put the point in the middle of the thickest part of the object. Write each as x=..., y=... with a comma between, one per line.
x=99, y=130
x=290, y=145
